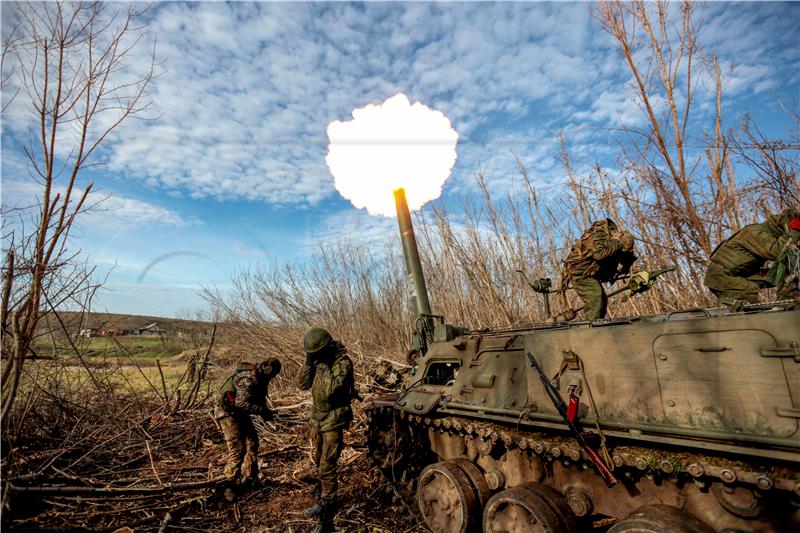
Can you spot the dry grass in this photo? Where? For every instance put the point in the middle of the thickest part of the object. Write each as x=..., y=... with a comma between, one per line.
x=470, y=261
x=111, y=427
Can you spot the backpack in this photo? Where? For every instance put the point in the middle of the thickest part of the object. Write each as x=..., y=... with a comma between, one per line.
x=579, y=260
x=227, y=397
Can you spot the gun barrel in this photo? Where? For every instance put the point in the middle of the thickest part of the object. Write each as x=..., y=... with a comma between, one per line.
x=419, y=292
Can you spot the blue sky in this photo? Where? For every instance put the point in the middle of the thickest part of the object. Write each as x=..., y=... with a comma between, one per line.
x=231, y=171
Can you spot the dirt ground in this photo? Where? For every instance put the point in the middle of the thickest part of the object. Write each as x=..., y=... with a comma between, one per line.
x=288, y=478
x=187, y=447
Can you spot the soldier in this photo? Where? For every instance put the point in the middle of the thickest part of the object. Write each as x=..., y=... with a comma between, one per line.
x=735, y=269
x=328, y=372
x=602, y=254
x=243, y=394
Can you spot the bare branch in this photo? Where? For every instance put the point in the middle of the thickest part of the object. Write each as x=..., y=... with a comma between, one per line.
x=71, y=57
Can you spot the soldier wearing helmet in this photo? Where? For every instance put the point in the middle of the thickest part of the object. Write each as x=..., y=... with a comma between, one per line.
x=602, y=254
x=243, y=394
x=736, y=268
x=328, y=372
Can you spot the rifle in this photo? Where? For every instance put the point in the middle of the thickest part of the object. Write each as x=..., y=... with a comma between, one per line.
x=642, y=281
x=638, y=283
x=562, y=410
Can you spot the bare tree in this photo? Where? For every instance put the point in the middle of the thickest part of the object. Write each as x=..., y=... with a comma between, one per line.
x=775, y=163
x=694, y=189
x=73, y=73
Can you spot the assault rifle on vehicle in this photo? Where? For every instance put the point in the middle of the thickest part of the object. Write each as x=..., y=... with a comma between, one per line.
x=638, y=283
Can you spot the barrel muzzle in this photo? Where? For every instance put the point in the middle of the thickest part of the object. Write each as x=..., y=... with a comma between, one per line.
x=416, y=278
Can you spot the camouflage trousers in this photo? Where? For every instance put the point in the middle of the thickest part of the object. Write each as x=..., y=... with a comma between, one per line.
x=242, y=441
x=594, y=297
x=725, y=285
x=327, y=449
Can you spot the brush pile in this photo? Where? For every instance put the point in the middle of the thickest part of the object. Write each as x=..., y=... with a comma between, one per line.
x=84, y=453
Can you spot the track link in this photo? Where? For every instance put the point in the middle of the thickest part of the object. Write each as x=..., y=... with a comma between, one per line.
x=628, y=460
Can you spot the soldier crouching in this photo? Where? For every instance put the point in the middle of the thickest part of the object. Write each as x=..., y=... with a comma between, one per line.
x=328, y=372
x=735, y=270
x=243, y=394
x=603, y=254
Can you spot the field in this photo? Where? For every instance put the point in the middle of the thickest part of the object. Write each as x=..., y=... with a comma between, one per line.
x=140, y=348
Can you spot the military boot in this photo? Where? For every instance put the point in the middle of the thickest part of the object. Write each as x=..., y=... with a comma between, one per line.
x=316, y=507
x=325, y=520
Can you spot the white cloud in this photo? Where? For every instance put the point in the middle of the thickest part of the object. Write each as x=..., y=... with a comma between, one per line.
x=119, y=211
x=247, y=89
x=108, y=213
x=613, y=107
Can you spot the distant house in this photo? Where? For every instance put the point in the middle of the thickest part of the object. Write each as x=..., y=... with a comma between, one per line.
x=109, y=331
x=88, y=333
x=151, y=330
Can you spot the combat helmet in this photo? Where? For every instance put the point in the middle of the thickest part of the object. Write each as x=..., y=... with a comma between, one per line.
x=316, y=339
x=626, y=240
x=789, y=217
x=269, y=367
x=780, y=222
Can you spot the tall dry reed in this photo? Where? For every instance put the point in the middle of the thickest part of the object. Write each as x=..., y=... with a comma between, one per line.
x=470, y=256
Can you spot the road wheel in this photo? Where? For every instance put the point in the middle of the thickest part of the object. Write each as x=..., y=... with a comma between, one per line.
x=477, y=479
x=532, y=507
x=740, y=501
x=447, y=499
x=660, y=519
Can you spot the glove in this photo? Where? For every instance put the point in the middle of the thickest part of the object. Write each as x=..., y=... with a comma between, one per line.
x=640, y=281
x=267, y=415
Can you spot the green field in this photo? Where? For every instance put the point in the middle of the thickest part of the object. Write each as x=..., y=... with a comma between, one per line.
x=126, y=362
x=136, y=377
x=136, y=347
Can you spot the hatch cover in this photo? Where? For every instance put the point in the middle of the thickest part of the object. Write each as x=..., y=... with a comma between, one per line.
x=718, y=381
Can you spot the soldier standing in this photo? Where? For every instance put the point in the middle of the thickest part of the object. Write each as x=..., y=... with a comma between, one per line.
x=243, y=394
x=601, y=255
x=735, y=269
x=328, y=372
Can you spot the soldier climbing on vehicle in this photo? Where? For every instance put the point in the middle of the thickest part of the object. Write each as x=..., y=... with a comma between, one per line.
x=603, y=254
x=736, y=271
x=328, y=372
x=243, y=394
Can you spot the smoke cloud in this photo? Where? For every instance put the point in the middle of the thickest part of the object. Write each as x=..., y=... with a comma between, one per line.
x=388, y=146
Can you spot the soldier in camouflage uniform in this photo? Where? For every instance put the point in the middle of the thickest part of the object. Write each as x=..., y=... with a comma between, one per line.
x=735, y=269
x=601, y=255
x=328, y=372
x=243, y=394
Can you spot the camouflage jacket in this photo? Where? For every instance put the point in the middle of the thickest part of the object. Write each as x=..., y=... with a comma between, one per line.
x=332, y=390
x=244, y=392
x=598, y=254
x=746, y=251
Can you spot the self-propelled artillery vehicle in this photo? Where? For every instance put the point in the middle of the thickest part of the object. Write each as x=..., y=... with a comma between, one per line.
x=682, y=422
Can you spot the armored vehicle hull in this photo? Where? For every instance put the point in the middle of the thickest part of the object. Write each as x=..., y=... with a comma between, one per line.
x=695, y=411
